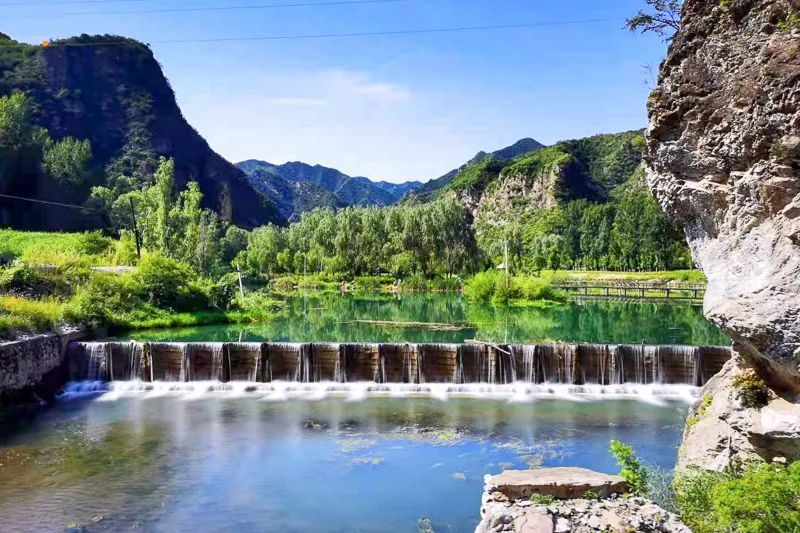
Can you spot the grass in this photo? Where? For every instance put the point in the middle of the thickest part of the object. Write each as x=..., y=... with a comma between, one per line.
x=25, y=315
x=56, y=249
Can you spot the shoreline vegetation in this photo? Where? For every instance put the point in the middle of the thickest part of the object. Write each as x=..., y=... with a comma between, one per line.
x=50, y=280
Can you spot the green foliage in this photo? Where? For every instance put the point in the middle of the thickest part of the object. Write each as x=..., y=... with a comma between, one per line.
x=25, y=148
x=22, y=315
x=495, y=287
x=632, y=469
x=430, y=239
x=481, y=286
x=168, y=284
x=107, y=299
x=752, y=390
x=695, y=416
x=257, y=307
x=762, y=499
x=542, y=499
x=662, y=17
x=55, y=249
x=791, y=22
x=66, y=161
x=476, y=176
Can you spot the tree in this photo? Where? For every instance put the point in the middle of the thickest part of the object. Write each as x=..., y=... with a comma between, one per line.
x=662, y=17
x=66, y=161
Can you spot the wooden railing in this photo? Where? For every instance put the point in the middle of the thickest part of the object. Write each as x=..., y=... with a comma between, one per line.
x=634, y=289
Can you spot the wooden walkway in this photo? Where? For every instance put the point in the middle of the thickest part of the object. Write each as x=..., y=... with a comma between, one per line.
x=634, y=289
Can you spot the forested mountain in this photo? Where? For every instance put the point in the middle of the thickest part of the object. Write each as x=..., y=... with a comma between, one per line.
x=291, y=196
x=343, y=190
x=579, y=203
x=429, y=189
x=110, y=94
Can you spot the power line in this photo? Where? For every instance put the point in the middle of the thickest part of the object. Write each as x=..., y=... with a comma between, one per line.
x=67, y=2
x=214, y=8
x=37, y=201
x=335, y=35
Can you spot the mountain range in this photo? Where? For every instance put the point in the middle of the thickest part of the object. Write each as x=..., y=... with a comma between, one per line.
x=111, y=91
x=296, y=187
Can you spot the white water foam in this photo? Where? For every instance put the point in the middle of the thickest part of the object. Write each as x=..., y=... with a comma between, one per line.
x=357, y=391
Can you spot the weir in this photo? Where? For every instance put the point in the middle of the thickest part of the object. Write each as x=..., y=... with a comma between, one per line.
x=421, y=364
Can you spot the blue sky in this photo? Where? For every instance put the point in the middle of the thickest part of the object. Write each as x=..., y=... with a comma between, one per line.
x=393, y=107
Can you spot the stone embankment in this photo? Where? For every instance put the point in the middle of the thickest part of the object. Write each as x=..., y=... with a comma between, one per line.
x=34, y=368
x=561, y=500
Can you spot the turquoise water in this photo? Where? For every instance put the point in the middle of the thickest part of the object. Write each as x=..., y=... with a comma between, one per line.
x=450, y=318
x=216, y=463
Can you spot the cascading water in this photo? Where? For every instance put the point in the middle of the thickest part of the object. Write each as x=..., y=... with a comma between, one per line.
x=98, y=358
x=286, y=370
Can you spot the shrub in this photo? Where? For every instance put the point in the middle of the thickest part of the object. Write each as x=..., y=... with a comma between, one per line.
x=168, y=284
x=763, y=498
x=257, y=306
x=542, y=499
x=92, y=243
x=633, y=471
x=752, y=390
x=694, y=417
x=481, y=286
x=105, y=299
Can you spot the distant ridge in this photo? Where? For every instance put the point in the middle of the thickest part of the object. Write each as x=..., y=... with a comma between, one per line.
x=522, y=146
x=297, y=187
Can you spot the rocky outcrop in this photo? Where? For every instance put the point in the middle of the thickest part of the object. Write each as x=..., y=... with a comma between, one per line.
x=723, y=430
x=113, y=92
x=723, y=158
x=560, y=500
x=34, y=367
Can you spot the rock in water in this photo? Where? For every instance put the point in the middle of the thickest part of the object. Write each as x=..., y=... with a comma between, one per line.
x=560, y=500
x=560, y=482
x=723, y=158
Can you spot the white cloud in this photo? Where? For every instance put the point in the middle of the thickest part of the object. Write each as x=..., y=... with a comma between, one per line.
x=349, y=83
x=297, y=101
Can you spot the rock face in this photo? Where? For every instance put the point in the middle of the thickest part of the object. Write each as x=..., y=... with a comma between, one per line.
x=114, y=94
x=514, y=502
x=723, y=430
x=723, y=158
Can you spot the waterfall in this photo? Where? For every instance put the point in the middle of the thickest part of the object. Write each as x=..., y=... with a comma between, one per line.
x=97, y=368
x=440, y=370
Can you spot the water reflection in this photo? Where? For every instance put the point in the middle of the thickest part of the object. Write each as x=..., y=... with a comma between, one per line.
x=448, y=318
x=172, y=464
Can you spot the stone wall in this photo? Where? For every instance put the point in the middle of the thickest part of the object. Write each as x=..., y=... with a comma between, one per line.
x=34, y=368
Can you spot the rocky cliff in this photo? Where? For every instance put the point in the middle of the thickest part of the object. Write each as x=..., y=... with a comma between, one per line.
x=112, y=91
x=723, y=158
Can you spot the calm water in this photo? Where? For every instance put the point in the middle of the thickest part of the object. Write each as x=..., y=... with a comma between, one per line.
x=449, y=318
x=238, y=464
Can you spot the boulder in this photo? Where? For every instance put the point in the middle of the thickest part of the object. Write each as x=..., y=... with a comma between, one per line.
x=561, y=482
x=507, y=505
x=723, y=430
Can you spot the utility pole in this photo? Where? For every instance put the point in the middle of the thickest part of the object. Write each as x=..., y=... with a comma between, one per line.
x=241, y=286
x=505, y=260
x=135, y=230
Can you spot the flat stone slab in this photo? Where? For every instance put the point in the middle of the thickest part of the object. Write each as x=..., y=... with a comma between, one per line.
x=561, y=482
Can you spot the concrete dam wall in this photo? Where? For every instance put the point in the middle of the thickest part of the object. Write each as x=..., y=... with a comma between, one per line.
x=568, y=364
